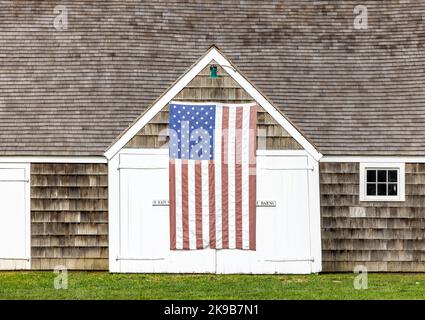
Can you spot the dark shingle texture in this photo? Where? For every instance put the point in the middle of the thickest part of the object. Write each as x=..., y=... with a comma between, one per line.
x=350, y=91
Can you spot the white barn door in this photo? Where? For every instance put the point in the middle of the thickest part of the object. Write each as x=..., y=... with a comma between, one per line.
x=145, y=225
x=14, y=217
x=283, y=224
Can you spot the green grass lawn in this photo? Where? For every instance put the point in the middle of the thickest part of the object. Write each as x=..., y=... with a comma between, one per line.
x=103, y=285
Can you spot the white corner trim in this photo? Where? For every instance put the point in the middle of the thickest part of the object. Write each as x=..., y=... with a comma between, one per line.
x=51, y=159
x=27, y=187
x=212, y=54
x=400, y=167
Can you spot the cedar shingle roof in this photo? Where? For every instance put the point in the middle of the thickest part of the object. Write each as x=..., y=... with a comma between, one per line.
x=350, y=91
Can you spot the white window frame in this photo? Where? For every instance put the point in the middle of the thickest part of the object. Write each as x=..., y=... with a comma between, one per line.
x=400, y=167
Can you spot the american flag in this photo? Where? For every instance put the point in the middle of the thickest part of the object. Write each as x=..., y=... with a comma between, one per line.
x=212, y=176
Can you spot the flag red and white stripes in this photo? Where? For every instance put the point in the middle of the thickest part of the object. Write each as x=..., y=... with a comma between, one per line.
x=213, y=202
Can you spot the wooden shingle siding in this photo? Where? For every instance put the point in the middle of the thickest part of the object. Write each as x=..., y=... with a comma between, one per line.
x=270, y=135
x=69, y=216
x=383, y=236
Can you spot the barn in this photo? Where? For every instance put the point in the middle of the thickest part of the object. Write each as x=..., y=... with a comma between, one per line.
x=339, y=146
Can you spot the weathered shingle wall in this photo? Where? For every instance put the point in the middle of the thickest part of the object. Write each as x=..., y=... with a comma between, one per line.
x=69, y=216
x=384, y=236
x=270, y=135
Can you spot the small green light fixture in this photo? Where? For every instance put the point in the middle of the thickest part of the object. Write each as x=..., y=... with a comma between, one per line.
x=213, y=72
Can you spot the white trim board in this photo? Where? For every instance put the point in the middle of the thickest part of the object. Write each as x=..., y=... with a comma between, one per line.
x=147, y=151
x=259, y=152
x=281, y=152
x=213, y=54
x=375, y=159
x=51, y=159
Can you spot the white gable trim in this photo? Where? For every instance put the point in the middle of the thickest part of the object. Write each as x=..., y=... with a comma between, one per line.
x=212, y=54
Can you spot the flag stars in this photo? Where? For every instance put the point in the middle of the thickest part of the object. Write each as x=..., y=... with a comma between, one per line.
x=191, y=123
